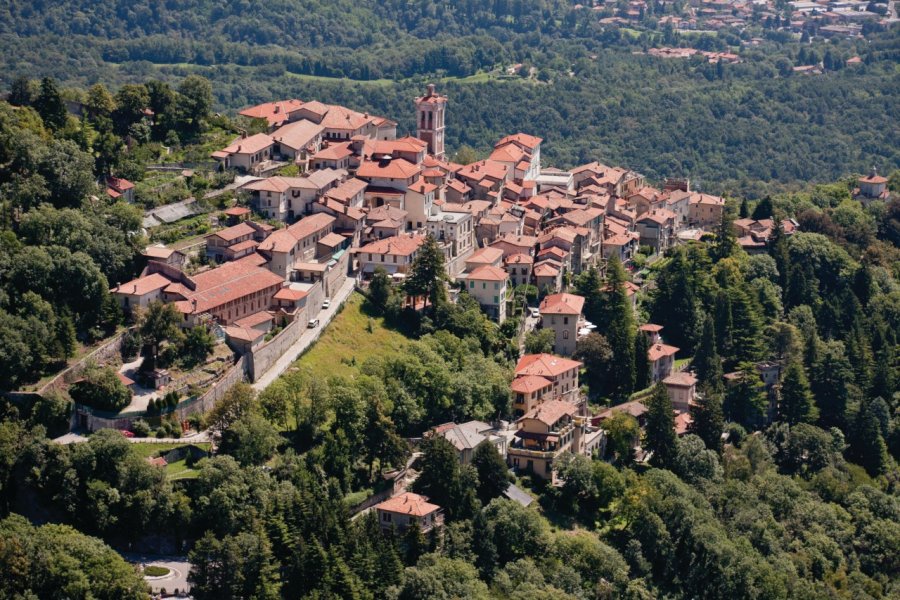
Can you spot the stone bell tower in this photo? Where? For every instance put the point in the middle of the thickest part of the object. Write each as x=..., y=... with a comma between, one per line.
x=430, y=110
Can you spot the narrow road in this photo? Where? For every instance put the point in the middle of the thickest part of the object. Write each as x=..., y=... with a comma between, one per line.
x=308, y=337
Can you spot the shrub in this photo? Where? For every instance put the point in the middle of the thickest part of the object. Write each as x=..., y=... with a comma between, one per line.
x=140, y=428
x=100, y=388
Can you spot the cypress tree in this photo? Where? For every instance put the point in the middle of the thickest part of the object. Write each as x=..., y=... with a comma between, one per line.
x=764, y=209
x=796, y=403
x=747, y=326
x=707, y=363
x=778, y=249
x=724, y=323
x=726, y=242
x=745, y=209
x=675, y=304
x=492, y=472
x=660, y=432
x=745, y=403
x=641, y=362
x=620, y=331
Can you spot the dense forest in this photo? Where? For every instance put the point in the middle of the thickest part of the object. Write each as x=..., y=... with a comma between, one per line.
x=748, y=128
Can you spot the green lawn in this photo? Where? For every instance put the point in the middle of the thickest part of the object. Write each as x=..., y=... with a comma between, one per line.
x=347, y=339
x=177, y=469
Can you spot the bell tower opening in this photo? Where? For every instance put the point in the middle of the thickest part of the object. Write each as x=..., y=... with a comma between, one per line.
x=430, y=112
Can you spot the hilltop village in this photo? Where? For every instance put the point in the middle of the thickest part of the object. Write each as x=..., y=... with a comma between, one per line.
x=365, y=201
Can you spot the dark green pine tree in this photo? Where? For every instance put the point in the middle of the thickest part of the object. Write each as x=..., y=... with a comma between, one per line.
x=415, y=543
x=659, y=436
x=867, y=446
x=676, y=305
x=707, y=363
x=483, y=546
x=745, y=401
x=427, y=274
x=619, y=327
x=492, y=471
x=50, y=105
x=588, y=286
x=642, y=367
x=831, y=378
x=440, y=476
x=859, y=354
x=747, y=326
x=708, y=419
x=778, y=249
x=764, y=209
x=862, y=284
x=725, y=244
x=796, y=402
x=745, y=209
x=724, y=324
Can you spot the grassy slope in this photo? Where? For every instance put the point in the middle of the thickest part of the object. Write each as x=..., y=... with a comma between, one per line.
x=347, y=338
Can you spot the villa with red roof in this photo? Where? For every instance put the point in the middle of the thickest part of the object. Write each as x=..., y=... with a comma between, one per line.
x=662, y=360
x=545, y=432
x=247, y=153
x=408, y=509
x=561, y=313
x=394, y=254
x=561, y=372
x=487, y=285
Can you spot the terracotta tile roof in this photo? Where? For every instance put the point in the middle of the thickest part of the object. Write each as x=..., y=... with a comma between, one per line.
x=244, y=334
x=404, y=144
x=125, y=379
x=553, y=251
x=545, y=365
x=332, y=239
x=341, y=117
x=509, y=153
x=384, y=212
x=284, y=240
x=290, y=294
x=683, y=422
x=518, y=259
x=657, y=351
x=420, y=186
x=119, y=184
x=274, y=113
x=249, y=145
x=398, y=245
x=482, y=169
x=158, y=252
x=680, y=379
x=237, y=211
x=257, y=318
x=234, y=232
x=562, y=304
x=651, y=327
x=485, y=255
x=335, y=151
x=240, y=246
x=231, y=281
x=528, y=141
x=297, y=135
x=487, y=273
x=347, y=190
x=873, y=178
x=397, y=168
x=550, y=412
x=545, y=269
x=563, y=233
x=698, y=198
x=521, y=241
x=527, y=384
x=143, y=285
x=408, y=503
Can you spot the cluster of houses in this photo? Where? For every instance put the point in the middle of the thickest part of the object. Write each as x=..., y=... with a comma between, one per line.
x=827, y=18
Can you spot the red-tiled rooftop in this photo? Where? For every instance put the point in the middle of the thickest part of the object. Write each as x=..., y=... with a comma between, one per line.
x=527, y=384
x=680, y=379
x=400, y=245
x=487, y=273
x=658, y=351
x=562, y=304
x=545, y=365
x=408, y=503
x=551, y=411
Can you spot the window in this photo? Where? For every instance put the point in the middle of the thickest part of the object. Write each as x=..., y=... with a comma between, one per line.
x=386, y=517
x=565, y=320
x=496, y=300
x=471, y=285
x=496, y=286
x=565, y=334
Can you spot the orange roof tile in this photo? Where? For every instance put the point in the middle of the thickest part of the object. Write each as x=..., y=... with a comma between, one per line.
x=143, y=285
x=526, y=384
x=485, y=255
x=298, y=134
x=249, y=145
x=408, y=503
x=487, y=273
x=562, y=304
x=657, y=351
x=274, y=113
x=397, y=168
x=545, y=365
x=550, y=411
x=528, y=141
x=399, y=245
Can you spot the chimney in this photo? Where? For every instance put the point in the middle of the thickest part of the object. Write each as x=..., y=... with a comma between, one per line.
x=277, y=108
x=243, y=134
x=430, y=92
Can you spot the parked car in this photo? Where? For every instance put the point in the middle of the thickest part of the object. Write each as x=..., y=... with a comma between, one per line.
x=126, y=433
x=326, y=304
x=313, y=324
x=535, y=313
